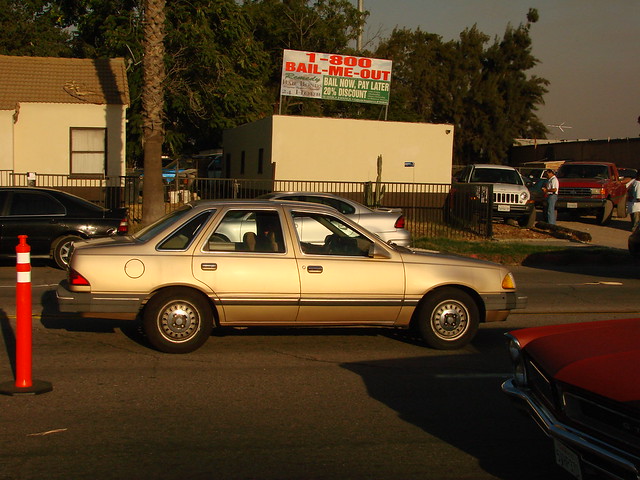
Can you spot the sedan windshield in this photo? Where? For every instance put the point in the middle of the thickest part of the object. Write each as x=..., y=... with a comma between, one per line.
x=496, y=175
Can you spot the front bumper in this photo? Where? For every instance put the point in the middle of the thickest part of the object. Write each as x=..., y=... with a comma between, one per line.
x=85, y=302
x=568, y=203
x=510, y=210
x=499, y=305
x=597, y=454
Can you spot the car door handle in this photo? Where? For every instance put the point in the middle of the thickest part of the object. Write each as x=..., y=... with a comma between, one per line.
x=209, y=266
x=314, y=269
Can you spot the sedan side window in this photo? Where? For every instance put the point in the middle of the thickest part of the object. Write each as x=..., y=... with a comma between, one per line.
x=182, y=237
x=248, y=231
x=32, y=203
x=322, y=234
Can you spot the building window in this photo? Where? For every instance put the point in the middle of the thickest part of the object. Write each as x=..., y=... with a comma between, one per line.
x=260, y=160
x=227, y=167
x=88, y=151
x=242, y=161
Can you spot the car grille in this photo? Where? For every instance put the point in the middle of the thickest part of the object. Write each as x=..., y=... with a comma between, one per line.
x=574, y=192
x=540, y=384
x=506, y=198
x=608, y=420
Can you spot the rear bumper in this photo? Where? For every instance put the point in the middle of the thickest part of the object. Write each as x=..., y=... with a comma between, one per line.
x=593, y=452
x=85, y=302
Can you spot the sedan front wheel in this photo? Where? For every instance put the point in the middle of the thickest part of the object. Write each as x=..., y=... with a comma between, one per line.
x=448, y=319
x=177, y=321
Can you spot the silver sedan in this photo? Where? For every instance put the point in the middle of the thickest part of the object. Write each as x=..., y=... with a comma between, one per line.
x=387, y=223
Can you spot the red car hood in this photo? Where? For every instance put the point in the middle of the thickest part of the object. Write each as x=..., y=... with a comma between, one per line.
x=600, y=357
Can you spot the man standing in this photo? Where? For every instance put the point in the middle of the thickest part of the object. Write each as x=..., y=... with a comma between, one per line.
x=633, y=201
x=551, y=193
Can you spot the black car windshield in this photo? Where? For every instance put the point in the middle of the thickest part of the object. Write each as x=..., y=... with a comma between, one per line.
x=150, y=231
x=496, y=175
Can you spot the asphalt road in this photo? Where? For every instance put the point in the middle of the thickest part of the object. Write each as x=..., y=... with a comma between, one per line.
x=283, y=404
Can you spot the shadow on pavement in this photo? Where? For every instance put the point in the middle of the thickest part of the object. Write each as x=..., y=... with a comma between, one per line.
x=52, y=318
x=9, y=338
x=457, y=399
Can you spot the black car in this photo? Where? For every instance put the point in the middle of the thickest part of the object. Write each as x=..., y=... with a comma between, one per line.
x=52, y=220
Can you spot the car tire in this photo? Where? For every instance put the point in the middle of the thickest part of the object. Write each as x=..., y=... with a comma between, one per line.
x=178, y=320
x=528, y=221
x=448, y=319
x=61, y=250
x=621, y=208
x=605, y=213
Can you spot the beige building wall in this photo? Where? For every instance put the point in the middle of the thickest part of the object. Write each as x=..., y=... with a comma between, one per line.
x=41, y=136
x=6, y=140
x=308, y=148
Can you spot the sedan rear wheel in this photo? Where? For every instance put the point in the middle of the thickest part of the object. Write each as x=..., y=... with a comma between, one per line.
x=177, y=321
x=448, y=319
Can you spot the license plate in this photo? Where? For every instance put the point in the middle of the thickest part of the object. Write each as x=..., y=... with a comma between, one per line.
x=568, y=459
x=504, y=208
x=572, y=205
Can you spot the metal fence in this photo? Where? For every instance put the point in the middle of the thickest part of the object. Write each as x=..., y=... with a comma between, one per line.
x=430, y=210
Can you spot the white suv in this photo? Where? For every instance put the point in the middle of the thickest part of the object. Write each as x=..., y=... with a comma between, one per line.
x=511, y=197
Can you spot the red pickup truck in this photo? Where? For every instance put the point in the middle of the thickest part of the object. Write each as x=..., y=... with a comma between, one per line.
x=591, y=188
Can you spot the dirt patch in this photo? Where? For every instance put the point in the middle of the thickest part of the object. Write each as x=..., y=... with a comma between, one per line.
x=504, y=231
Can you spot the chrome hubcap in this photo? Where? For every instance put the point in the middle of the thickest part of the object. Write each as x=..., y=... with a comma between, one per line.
x=450, y=319
x=179, y=321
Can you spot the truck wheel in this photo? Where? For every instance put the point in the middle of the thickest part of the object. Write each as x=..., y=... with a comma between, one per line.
x=621, y=209
x=448, y=319
x=605, y=213
x=179, y=320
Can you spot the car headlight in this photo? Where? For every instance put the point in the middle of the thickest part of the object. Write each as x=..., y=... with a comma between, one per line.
x=516, y=357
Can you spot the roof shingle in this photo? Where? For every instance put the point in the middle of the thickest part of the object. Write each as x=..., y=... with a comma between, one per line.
x=62, y=80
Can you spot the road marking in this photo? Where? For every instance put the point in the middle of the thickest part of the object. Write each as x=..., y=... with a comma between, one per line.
x=49, y=432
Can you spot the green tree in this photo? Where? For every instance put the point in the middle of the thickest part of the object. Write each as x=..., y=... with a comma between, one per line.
x=484, y=91
x=32, y=28
x=316, y=26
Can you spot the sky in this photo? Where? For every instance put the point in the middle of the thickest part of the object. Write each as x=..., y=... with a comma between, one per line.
x=588, y=49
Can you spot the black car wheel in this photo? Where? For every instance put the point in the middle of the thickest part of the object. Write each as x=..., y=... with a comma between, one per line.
x=605, y=213
x=179, y=320
x=62, y=250
x=448, y=319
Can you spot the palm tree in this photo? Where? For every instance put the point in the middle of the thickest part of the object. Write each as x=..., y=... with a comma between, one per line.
x=153, y=109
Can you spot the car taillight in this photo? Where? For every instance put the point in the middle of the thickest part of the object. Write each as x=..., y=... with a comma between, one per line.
x=400, y=222
x=76, y=279
x=124, y=226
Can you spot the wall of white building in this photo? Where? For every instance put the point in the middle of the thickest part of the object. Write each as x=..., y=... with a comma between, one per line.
x=41, y=136
x=310, y=148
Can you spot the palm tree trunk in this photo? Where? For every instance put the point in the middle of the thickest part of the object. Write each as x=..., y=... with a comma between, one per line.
x=153, y=110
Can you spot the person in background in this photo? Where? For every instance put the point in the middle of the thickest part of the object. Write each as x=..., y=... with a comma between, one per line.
x=551, y=193
x=633, y=201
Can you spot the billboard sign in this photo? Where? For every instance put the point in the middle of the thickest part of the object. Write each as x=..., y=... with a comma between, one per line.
x=335, y=77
